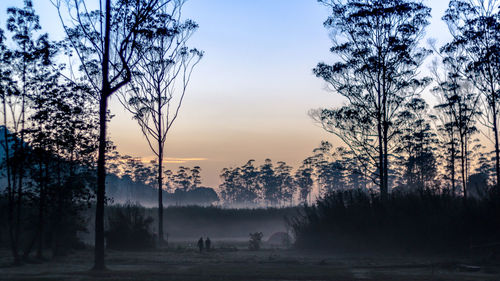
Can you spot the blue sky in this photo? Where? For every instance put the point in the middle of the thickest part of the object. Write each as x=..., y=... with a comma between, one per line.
x=250, y=94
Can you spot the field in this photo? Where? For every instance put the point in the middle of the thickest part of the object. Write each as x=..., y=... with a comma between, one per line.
x=232, y=261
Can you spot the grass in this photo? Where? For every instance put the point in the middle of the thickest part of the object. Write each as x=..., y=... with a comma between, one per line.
x=185, y=263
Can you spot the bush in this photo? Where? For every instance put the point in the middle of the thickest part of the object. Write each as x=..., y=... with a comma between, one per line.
x=129, y=229
x=255, y=241
x=425, y=221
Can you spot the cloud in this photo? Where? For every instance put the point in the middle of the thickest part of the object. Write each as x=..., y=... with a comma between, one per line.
x=174, y=160
x=183, y=160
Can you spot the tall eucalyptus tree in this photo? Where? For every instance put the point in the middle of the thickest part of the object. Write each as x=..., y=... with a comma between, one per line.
x=158, y=90
x=475, y=27
x=375, y=43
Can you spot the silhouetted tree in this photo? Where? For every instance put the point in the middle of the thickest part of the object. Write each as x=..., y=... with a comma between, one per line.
x=195, y=177
x=108, y=42
x=158, y=89
x=138, y=171
x=377, y=46
x=460, y=103
x=447, y=134
x=416, y=145
x=183, y=178
x=285, y=183
x=249, y=181
x=268, y=182
x=475, y=27
x=49, y=140
x=328, y=166
x=64, y=131
x=485, y=165
x=304, y=180
x=60, y=139
x=229, y=187
x=354, y=174
x=240, y=185
x=6, y=91
x=28, y=57
x=40, y=141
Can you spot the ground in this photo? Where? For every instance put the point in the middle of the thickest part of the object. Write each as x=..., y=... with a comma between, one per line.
x=227, y=262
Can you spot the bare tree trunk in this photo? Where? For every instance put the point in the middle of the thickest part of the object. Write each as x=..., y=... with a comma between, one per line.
x=10, y=191
x=497, y=149
x=453, y=184
x=18, y=204
x=462, y=154
x=39, y=253
x=160, y=174
x=494, y=98
x=38, y=234
x=101, y=182
x=386, y=160
x=101, y=161
x=383, y=189
x=385, y=126
x=466, y=161
x=20, y=168
x=160, y=200
x=57, y=230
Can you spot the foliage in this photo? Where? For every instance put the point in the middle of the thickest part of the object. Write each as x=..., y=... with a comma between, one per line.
x=459, y=105
x=255, y=241
x=201, y=196
x=250, y=185
x=416, y=146
x=376, y=43
x=415, y=221
x=475, y=27
x=129, y=228
x=132, y=179
x=48, y=144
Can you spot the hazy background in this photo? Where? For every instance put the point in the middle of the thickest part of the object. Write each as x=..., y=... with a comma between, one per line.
x=249, y=96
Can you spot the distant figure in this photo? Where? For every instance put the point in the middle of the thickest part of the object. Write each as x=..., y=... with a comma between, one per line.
x=207, y=244
x=200, y=244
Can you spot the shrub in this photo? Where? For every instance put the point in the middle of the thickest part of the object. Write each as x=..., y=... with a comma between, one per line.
x=255, y=241
x=129, y=228
x=423, y=221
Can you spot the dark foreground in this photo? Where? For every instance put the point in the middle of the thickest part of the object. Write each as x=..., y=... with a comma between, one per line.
x=187, y=264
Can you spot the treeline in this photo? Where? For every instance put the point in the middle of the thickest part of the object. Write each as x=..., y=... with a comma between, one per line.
x=121, y=190
x=131, y=179
x=326, y=170
x=333, y=169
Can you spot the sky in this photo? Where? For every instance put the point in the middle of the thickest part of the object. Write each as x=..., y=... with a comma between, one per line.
x=250, y=94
